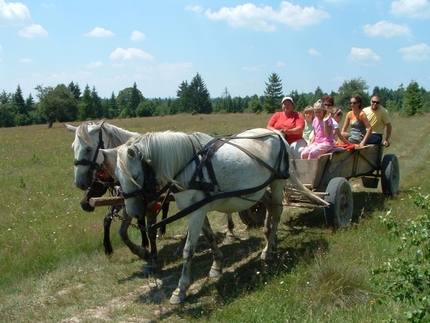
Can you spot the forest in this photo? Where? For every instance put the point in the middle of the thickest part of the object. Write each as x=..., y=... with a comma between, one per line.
x=68, y=103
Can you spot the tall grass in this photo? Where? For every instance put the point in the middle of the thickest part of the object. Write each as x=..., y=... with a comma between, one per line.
x=52, y=266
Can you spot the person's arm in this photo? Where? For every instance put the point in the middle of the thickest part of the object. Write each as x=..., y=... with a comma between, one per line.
x=340, y=136
x=345, y=125
x=387, y=135
x=328, y=129
x=368, y=130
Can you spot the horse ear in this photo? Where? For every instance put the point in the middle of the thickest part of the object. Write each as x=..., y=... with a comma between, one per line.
x=70, y=127
x=102, y=122
x=131, y=152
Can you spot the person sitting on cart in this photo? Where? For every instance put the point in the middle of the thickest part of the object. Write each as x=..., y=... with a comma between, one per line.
x=379, y=119
x=323, y=139
x=357, y=120
x=309, y=115
x=328, y=102
x=291, y=124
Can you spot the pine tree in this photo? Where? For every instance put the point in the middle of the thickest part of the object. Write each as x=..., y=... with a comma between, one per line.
x=273, y=94
x=412, y=103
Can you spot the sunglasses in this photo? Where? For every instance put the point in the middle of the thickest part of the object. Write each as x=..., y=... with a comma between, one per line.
x=376, y=102
x=353, y=102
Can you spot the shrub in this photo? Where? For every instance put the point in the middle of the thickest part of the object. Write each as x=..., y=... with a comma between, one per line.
x=406, y=277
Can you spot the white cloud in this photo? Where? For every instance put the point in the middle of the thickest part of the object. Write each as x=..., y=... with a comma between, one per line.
x=137, y=36
x=411, y=8
x=363, y=56
x=99, y=32
x=94, y=64
x=196, y=9
x=314, y=52
x=386, y=29
x=419, y=52
x=265, y=18
x=13, y=13
x=33, y=31
x=26, y=61
x=280, y=64
x=129, y=54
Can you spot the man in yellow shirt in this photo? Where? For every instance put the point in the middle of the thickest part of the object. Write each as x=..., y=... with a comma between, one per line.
x=379, y=120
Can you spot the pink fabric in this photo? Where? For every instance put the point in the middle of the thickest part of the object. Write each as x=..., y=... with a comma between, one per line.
x=316, y=149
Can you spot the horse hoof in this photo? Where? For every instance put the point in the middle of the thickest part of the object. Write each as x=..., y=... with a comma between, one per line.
x=266, y=255
x=177, y=297
x=230, y=239
x=215, y=272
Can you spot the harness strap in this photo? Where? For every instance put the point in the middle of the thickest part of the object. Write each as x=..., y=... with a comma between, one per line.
x=206, y=200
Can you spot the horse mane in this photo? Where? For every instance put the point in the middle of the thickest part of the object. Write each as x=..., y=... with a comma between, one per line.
x=167, y=152
x=116, y=134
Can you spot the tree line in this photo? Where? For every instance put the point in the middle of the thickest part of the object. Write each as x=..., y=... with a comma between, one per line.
x=68, y=103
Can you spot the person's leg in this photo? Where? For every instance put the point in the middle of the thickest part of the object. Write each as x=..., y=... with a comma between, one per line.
x=374, y=139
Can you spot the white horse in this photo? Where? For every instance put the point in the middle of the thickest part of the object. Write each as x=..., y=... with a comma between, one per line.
x=90, y=137
x=233, y=176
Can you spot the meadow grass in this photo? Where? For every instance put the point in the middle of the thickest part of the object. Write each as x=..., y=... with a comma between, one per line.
x=53, y=269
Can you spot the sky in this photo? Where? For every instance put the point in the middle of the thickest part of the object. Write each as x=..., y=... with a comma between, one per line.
x=233, y=45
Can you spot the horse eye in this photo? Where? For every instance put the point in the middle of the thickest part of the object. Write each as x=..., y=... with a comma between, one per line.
x=89, y=149
x=135, y=177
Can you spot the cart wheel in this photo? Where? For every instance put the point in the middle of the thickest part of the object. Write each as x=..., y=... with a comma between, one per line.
x=339, y=212
x=254, y=216
x=390, y=175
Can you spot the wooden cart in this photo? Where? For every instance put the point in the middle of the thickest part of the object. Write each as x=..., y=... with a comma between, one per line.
x=327, y=177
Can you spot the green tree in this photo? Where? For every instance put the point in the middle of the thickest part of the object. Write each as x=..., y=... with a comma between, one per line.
x=96, y=104
x=7, y=113
x=273, y=93
x=85, y=107
x=193, y=97
x=318, y=94
x=56, y=104
x=349, y=88
x=20, y=108
x=128, y=99
x=412, y=103
x=199, y=97
x=74, y=88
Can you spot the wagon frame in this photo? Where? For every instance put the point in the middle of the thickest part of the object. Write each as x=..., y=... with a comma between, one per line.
x=328, y=177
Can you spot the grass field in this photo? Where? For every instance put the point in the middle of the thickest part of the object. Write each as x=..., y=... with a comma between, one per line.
x=53, y=267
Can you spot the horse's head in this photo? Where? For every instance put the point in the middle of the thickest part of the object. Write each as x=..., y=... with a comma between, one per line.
x=88, y=141
x=131, y=176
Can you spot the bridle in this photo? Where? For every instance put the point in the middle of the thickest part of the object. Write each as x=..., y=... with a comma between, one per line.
x=94, y=166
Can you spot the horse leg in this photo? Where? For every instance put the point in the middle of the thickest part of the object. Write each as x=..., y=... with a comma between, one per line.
x=139, y=251
x=195, y=224
x=216, y=268
x=142, y=225
x=165, y=212
x=230, y=237
x=106, y=233
x=273, y=202
x=151, y=265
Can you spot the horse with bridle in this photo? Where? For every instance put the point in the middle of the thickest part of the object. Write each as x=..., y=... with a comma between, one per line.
x=96, y=176
x=92, y=176
x=226, y=174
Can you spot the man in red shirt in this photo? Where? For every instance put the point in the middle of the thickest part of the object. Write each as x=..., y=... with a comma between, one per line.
x=291, y=124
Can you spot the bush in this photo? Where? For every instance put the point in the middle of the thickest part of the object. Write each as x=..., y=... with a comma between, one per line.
x=406, y=278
